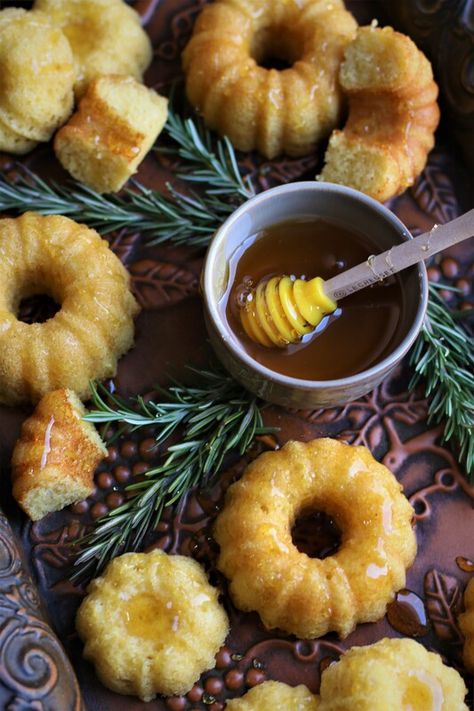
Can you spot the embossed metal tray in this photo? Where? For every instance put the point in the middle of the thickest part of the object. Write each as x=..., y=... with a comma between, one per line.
x=392, y=421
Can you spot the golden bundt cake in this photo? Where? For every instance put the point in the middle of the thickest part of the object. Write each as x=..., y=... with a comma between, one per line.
x=106, y=37
x=92, y=329
x=151, y=624
x=275, y=696
x=308, y=596
x=115, y=126
x=267, y=109
x=54, y=460
x=391, y=675
x=37, y=77
x=466, y=623
x=13, y=142
x=392, y=115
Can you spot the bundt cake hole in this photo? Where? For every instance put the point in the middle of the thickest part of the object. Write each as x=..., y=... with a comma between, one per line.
x=275, y=48
x=316, y=534
x=37, y=308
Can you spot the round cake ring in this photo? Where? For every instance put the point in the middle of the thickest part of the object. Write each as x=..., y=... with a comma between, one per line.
x=307, y=596
x=94, y=326
x=271, y=110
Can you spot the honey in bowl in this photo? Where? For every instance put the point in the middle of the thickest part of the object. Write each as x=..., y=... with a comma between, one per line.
x=364, y=329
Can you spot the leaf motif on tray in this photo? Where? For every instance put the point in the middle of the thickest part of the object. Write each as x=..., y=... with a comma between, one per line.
x=443, y=601
x=434, y=191
x=159, y=284
x=122, y=243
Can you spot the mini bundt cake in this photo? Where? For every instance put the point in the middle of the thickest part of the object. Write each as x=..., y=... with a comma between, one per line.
x=54, y=460
x=466, y=623
x=37, y=77
x=106, y=37
x=392, y=115
x=267, y=109
x=275, y=696
x=94, y=326
x=151, y=624
x=309, y=596
x=13, y=142
x=115, y=126
x=391, y=675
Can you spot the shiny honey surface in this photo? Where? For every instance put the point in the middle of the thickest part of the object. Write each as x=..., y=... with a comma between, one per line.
x=362, y=331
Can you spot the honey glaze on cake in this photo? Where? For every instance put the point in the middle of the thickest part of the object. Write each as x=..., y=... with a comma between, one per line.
x=363, y=330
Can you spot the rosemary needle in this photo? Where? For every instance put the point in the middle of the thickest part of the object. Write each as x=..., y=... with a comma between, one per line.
x=443, y=356
x=213, y=417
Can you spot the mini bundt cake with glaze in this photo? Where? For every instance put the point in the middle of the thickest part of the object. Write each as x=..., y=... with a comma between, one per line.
x=391, y=675
x=274, y=111
x=466, y=623
x=309, y=596
x=106, y=37
x=54, y=460
x=275, y=696
x=392, y=115
x=37, y=77
x=151, y=624
x=117, y=122
x=56, y=256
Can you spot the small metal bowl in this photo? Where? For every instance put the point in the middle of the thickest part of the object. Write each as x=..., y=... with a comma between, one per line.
x=335, y=203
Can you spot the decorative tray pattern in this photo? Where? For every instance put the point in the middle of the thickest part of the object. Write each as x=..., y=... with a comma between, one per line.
x=391, y=421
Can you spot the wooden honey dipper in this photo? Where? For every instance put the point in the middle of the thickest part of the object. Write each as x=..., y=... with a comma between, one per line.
x=281, y=310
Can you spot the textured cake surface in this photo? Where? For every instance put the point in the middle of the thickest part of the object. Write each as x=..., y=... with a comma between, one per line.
x=308, y=596
x=276, y=696
x=55, y=457
x=56, y=256
x=392, y=115
x=106, y=37
x=392, y=675
x=113, y=129
x=33, y=103
x=274, y=111
x=151, y=624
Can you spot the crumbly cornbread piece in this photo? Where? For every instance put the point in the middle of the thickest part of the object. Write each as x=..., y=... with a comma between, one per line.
x=151, y=624
x=115, y=126
x=274, y=111
x=466, y=623
x=37, y=75
x=275, y=696
x=106, y=37
x=307, y=596
x=392, y=115
x=92, y=329
x=391, y=675
x=54, y=460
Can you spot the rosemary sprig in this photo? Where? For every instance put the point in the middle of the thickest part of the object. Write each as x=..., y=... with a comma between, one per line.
x=207, y=161
x=182, y=219
x=214, y=417
x=444, y=357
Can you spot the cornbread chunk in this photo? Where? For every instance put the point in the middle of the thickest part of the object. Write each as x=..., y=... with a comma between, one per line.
x=106, y=37
x=466, y=623
x=275, y=696
x=83, y=341
x=307, y=596
x=36, y=76
x=392, y=115
x=391, y=675
x=55, y=458
x=151, y=624
x=116, y=124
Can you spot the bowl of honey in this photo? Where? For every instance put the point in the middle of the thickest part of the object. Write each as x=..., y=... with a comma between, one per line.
x=304, y=230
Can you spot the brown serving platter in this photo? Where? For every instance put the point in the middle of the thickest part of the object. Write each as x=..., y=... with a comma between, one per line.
x=35, y=673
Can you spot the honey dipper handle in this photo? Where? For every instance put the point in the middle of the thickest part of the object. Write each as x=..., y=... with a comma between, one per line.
x=376, y=268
